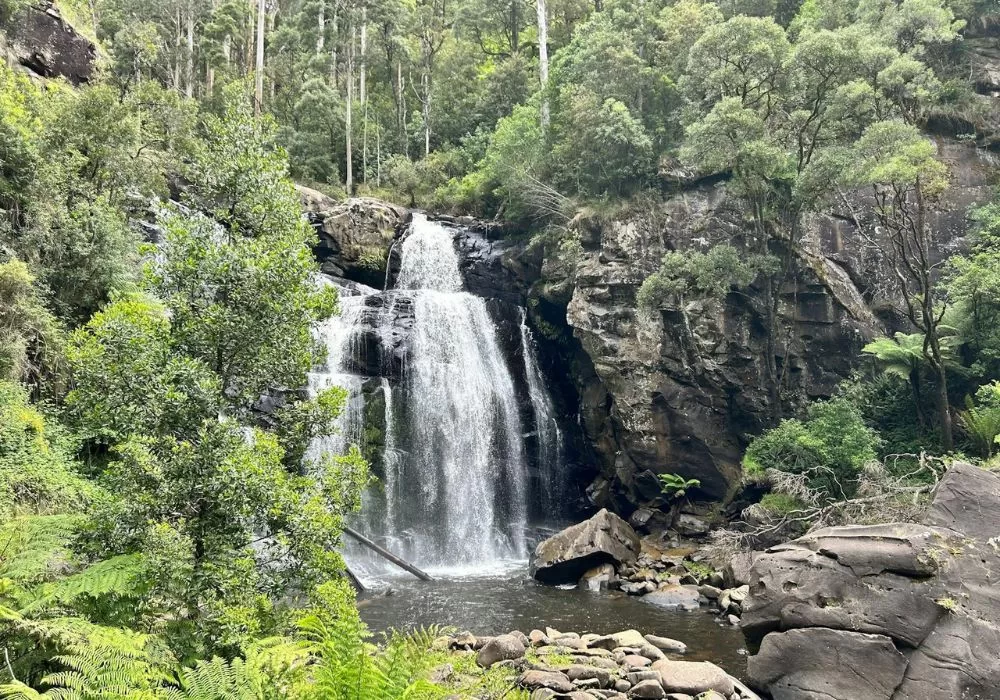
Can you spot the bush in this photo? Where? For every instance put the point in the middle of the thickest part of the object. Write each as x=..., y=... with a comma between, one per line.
x=36, y=474
x=828, y=449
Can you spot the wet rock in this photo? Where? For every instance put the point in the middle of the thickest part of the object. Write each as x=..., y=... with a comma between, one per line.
x=652, y=653
x=580, y=672
x=635, y=662
x=537, y=638
x=710, y=592
x=567, y=555
x=502, y=648
x=647, y=689
x=866, y=665
x=666, y=644
x=626, y=638
x=543, y=694
x=521, y=637
x=355, y=236
x=600, y=578
x=551, y=680
x=675, y=597
x=693, y=677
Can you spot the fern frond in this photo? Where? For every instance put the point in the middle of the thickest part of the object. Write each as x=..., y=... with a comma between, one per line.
x=34, y=546
x=117, y=576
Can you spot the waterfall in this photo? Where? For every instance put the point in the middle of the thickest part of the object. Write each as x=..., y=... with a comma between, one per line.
x=452, y=489
x=550, y=455
x=466, y=470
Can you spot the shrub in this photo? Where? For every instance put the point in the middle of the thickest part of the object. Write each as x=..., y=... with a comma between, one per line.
x=828, y=449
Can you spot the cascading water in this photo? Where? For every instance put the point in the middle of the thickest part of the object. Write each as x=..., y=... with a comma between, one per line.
x=548, y=436
x=451, y=459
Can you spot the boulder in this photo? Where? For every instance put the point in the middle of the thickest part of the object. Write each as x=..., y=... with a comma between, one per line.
x=691, y=525
x=647, y=689
x=675, y=597
x=566, y=556
x=46, y=44
x=914, y=600
x=666, y=644
x=627, y=638
x=694, y=677
x=502, y=648
x=355, y=236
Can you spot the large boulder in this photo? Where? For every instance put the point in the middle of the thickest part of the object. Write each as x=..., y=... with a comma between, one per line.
x=908, y=611
x=567, y=555
x=355, y=235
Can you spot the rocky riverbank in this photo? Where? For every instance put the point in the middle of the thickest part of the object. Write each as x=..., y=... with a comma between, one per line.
x=628, y=664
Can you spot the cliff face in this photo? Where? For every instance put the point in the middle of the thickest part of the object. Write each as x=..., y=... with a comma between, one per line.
x=682, y=390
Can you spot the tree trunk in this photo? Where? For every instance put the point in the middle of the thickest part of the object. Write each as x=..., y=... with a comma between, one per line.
x=333, y=46
x=177, y=51
x=401, y=109
x=363, y=67
x=189, y=72
x=258, y=92
x=349, y=179
x=543, y=60
x=321, y=28
x=944, y=407
x=515, y=29
x=917, y=396
x=425, y=79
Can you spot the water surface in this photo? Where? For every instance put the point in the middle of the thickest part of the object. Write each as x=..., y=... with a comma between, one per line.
x=502, y=601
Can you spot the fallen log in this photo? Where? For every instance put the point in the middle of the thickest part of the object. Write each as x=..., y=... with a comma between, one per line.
x=381, y=551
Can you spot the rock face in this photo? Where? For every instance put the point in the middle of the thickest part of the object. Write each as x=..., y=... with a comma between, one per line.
x=683, y=389
x=567, y=555
x=908, y=610
x=50, y=47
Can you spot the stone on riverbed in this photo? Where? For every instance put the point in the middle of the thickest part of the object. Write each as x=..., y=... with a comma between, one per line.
x=553, y=680
x=627, y=638
x=693, y=677
x=502, y=648
x=647, y=690
x=666, y=644
x=566, y=556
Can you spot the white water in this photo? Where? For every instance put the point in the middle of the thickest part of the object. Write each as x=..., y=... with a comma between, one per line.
x=453, y=493
x=550, y=455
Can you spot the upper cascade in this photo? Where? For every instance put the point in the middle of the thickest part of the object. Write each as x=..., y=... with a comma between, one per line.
x=429, y=259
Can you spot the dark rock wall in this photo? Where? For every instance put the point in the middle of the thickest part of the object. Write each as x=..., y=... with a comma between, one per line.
x=48, y=46
x=683, y=390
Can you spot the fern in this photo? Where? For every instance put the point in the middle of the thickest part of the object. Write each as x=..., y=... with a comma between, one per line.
x=347, y=667
x=217, y=680
x=115, y=577
x=35, y=546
